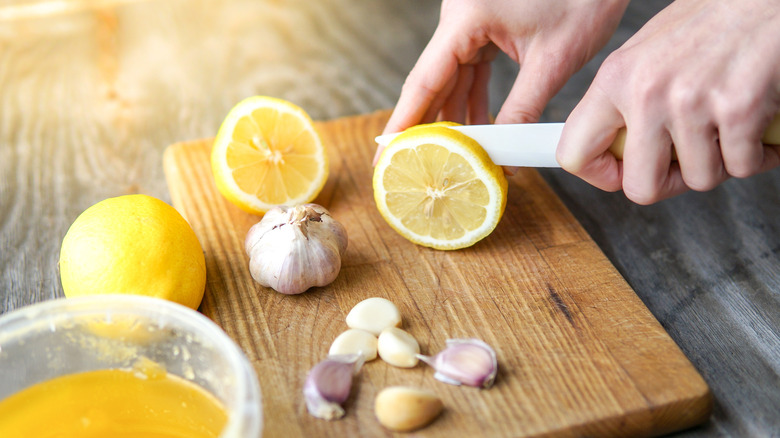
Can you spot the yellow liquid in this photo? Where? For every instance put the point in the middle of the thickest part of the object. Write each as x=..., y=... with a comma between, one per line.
x=112, y=403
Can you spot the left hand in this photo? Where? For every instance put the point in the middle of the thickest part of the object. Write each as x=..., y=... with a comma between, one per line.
x=550, y=41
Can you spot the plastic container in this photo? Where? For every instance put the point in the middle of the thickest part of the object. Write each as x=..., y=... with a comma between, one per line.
x=64, y=336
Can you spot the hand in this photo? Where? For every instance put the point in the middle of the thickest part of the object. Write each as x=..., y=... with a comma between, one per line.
x=701, y=79
x=550, y=41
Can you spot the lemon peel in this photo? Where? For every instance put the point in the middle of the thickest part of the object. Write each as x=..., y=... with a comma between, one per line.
x=133, y=244
x=267, y=152
x=438, y=188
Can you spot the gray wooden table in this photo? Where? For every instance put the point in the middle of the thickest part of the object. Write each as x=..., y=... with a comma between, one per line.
x=91, y=95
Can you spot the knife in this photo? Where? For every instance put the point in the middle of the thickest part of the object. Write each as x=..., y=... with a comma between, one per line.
x=516, y=145
x=534, y=144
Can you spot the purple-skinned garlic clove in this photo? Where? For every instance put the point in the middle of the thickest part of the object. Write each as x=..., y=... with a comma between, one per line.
x=468, y=362
x=329, y=383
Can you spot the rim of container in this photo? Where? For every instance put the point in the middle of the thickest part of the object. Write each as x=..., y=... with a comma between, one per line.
x=247, y=394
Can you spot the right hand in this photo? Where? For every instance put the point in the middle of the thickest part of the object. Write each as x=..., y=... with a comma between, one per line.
x=700, y=80
x=549, y=40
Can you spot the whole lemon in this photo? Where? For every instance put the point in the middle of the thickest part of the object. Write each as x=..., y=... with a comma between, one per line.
x=133, y=244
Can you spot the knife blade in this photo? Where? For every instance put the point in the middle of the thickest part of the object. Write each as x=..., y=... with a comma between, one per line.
x=534, y=144
x=516, y=145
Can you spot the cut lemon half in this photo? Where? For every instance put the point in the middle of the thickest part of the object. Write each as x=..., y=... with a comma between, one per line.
x=268, y=153
x=438, y=188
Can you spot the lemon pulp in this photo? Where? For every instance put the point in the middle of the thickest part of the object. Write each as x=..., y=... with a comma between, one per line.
x=438, y=188
x=267, y=153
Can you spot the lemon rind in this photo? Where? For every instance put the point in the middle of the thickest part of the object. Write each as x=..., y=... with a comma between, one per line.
x=473, y=153
x=225, y=183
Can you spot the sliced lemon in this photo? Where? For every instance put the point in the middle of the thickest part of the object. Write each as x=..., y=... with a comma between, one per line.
x=268, y=153
x=438, y=188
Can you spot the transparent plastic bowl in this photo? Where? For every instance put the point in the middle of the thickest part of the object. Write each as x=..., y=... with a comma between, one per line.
x=65, y=336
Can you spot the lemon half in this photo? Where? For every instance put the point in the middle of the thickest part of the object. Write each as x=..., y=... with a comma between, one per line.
x=268, y=153
x=438, y=188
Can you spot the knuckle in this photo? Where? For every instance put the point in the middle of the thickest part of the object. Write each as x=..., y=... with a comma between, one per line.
x=642, y=194
x=743, y=168
x=741, y=172
x=613, y=70
x=569, y=161
x=647, y=91
x=737, y=109
x=519, y=114
x=640, y=197
x=685, y=99
x=703, y=179
x=701, y=183
x=417, y=83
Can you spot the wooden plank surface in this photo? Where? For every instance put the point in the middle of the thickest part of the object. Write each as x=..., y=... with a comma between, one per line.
x=92, y=92
x=579, y=353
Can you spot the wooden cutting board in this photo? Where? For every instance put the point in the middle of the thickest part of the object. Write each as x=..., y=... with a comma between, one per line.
x=579, y=354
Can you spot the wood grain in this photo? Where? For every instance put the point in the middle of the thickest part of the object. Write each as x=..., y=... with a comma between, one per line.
x=93, y=92
x=579, y=353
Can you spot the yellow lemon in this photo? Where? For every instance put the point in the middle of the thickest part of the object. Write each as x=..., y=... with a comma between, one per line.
x=267, y=153
x=438, y=188
x=133, y=244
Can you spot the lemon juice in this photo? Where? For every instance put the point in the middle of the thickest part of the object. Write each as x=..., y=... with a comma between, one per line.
x=115, y=403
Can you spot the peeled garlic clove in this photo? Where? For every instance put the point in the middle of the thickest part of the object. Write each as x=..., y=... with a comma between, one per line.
x=398, y=348
x=374, y=315
x=355, y=341
x=468, y=362
x=404, y=409
x=295, y=248
x=328, y=385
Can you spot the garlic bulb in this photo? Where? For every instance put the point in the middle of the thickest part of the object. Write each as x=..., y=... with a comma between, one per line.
x=294, y=248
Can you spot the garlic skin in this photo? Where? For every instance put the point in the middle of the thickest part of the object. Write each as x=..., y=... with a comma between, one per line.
x=295, y=248
x=468, y=362
x=329, y=383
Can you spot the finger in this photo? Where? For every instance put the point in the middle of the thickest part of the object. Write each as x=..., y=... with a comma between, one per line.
x=377, y=154
x=649, y=174
x=478, y=104
x=698, y=154
x=771, y=157
x=743, y=152
x=537, y=82
x=455, y=106
x=434, y=110
x=583, y=149
x=432, y=74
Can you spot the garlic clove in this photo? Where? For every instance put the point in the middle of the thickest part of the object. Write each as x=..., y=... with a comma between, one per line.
x=468, y=362
x=328, y=385
x=398, y=348
x=295, y=248
x=404, y=409
x=374, y=315
x=355, y=341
